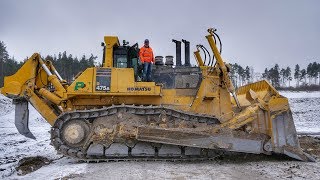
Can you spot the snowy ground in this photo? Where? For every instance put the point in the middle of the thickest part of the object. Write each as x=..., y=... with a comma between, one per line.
x=306, y=112
x=14, y=146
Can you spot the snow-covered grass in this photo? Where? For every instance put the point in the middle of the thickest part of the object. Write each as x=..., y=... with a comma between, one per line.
x=302, y=94
x=305, y=107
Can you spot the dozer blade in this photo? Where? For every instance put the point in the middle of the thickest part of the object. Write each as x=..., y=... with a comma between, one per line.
x=285, y=139
x=271, y=117
x=22, y=118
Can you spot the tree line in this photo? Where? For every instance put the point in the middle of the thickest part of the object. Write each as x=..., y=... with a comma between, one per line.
x=8, y=65
x=282, y=77
x=241, y=75
x=67, y=65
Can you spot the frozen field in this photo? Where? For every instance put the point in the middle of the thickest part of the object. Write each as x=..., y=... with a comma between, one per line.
x=305, y=110
x=13, y=147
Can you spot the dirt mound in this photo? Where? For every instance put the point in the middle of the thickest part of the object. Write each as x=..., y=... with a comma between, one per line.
x=30, y=164
x=310, y=145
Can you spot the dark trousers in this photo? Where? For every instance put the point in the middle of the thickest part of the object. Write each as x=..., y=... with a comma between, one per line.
x=147, y=67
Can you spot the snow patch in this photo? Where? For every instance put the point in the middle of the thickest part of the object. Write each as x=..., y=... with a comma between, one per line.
x=302, y=94
x=305, y=107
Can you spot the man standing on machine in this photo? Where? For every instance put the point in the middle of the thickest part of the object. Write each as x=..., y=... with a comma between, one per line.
x=147, y=59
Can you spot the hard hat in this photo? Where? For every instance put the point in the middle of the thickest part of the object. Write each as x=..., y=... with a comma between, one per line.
x=146, y=41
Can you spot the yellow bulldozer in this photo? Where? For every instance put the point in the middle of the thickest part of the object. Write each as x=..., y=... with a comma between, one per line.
x=186, y=113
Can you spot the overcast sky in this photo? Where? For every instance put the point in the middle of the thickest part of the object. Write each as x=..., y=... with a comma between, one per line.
x=254, y=33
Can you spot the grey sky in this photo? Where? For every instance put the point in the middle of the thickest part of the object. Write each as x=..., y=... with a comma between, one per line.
x=254, y=33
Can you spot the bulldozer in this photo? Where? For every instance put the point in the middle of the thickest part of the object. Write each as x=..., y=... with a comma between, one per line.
x=185, y=113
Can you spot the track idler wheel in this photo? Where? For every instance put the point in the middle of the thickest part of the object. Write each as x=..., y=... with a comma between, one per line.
x=75, y=132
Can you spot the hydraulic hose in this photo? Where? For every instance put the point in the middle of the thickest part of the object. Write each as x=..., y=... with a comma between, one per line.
x=220, y=43
x=206, y=50
x=205, y=55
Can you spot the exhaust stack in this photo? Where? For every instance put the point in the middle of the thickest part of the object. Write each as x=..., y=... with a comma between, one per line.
x=186, y=52
x=178, y=52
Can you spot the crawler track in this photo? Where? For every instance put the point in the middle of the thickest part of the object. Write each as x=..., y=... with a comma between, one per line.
x=120, y=151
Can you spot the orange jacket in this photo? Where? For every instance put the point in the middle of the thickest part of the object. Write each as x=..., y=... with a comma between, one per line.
x=146, y=54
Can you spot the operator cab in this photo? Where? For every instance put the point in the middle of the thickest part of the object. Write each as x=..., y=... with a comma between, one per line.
x=125, y=56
